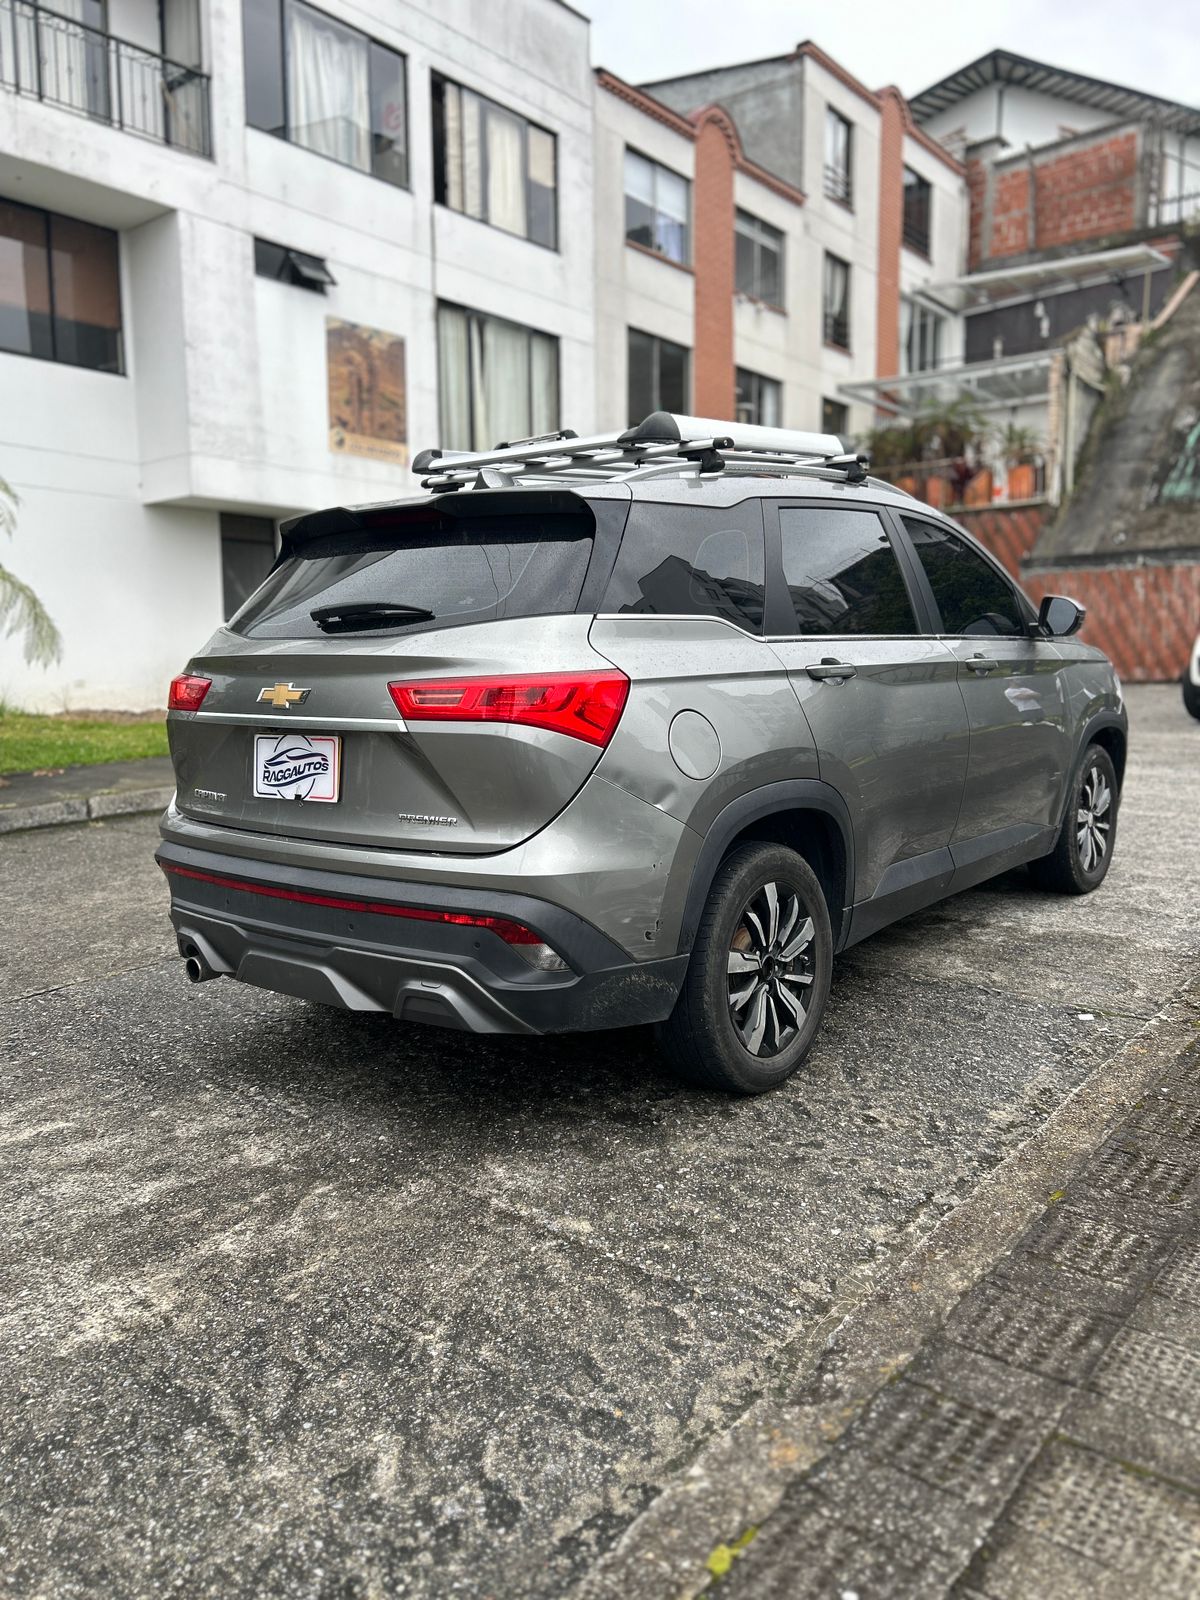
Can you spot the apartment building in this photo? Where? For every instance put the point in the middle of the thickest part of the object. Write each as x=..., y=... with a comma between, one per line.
x=252, y=255
x=839, y=198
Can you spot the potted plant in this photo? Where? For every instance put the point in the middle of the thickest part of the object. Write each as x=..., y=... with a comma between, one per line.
x=1019, y=447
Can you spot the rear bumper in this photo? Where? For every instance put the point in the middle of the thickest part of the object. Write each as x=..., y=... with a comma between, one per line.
x=441, y=973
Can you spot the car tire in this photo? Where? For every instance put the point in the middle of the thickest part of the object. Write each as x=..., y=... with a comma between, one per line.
x=1191, y=696
x=758, y=977
x=1081, y=856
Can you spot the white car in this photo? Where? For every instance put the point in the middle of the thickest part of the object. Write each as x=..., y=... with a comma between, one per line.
x=1191, y=681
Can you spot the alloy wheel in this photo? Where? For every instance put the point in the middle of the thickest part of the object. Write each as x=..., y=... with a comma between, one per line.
x=770, y=969
x=1093, y=819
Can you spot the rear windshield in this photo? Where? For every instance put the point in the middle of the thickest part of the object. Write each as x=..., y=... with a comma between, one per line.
x=477, y=569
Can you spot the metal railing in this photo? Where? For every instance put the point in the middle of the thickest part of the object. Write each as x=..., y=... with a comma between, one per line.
x=837, y=183
x=53, y=58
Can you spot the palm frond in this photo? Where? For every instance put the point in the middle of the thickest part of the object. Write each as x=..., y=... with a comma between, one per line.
x=9, y=501
x=21, y=612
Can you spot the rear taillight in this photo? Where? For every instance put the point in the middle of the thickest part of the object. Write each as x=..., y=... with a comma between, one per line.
x=586, y=706
x=187, y=691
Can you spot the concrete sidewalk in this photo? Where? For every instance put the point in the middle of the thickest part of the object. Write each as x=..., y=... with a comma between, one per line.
x=85, y=794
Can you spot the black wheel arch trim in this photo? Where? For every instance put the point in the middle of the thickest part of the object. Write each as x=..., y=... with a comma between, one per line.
x=1095, y=724
x=773, y=799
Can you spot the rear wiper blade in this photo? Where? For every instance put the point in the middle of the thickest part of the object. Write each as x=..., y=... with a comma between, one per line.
x=366, y=615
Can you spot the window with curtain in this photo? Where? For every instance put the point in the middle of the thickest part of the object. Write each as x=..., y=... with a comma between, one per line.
x=836, y=306
x=920, y=337
x=758, y=259
x=657, y=208
x=838, y=145
x=759, y=399
x=493, y=165
x=657, y=375
x=497, y=380
x=60, y=292
x=917, y=204
x=327, y=87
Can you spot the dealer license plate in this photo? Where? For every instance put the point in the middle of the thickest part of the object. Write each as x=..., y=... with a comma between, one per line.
x=298, y=766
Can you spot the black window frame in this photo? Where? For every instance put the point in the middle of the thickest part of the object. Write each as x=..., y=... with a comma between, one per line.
x=836, y=329
x=253, y=18
x=756, y=382
x=236, y=528
x=279, y=263
x=843, y=408
x=781, y=617
x=437, y=82
x=839, y=185
x=932, y=612
x=48, y=219
x=658, y=341
x=656, y=249
x=917, y=214
x=754, y=235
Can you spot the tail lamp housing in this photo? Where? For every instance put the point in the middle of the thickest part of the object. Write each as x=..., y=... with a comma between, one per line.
x=187, y=692
x=583, y=705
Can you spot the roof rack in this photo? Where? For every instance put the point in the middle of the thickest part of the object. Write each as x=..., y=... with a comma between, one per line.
x=663, y=445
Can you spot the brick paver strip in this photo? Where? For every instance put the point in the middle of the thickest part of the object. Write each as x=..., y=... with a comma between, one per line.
x=1046, y=1440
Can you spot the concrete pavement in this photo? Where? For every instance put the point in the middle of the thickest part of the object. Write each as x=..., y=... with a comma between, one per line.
x=305, y=1304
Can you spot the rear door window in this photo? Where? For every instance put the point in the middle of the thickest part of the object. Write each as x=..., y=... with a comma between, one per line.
x=842, y=573
x=446, y=570
x=971, y=595
x=691, y=561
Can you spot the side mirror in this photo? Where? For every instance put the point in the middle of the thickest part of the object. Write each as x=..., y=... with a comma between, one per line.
x=1060, y=617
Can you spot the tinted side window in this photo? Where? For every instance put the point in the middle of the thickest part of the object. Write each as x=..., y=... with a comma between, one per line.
x=687, y=561
x=842, y=573
x=971, y=595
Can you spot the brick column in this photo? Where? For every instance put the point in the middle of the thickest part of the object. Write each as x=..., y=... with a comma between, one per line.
x=891, y=225
x=712, y=256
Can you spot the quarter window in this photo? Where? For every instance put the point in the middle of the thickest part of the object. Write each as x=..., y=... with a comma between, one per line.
x=317, y=83
x=837, y=302
x=60, y=292
x=657, y=208
x=496, y=380
x=758, y=259
x=493, y=165
x=681, y=561
x=842, y=573
x=658, y=375
x=972, y=597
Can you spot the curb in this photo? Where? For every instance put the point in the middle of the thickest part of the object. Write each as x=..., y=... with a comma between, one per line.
x=93, y=808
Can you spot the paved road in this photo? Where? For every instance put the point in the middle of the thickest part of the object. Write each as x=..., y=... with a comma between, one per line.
x=302, y=1303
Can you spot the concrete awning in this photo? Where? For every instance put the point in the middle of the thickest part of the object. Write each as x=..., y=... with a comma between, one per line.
x=1008, y=381
x=978, y=289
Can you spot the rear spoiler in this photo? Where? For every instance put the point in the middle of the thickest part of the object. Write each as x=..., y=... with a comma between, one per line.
x=422, y=510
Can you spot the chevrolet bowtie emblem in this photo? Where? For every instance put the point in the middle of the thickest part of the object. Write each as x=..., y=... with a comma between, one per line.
x=282, y=696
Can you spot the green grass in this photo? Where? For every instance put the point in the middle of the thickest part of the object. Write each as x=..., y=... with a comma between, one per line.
x=32, y=743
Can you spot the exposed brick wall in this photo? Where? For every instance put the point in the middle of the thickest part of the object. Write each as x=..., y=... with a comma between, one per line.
x=1010, y=214
x=977, y=184
x=713, y=247
x=1145, y=619
x=891, y=225
x=1085, y=189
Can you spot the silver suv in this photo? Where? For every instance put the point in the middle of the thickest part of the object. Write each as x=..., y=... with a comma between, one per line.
x=638, y=728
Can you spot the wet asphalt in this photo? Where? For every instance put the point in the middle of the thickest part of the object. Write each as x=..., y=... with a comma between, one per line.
x=300, y=1303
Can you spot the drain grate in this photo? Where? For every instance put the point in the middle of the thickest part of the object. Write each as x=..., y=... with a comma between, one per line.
x=1128, y=1520
x=947, y=1443
x=1021, y=1332
x=1079, y=1243
x=807, y=1553
x=1142, y=1177
x=1152, y=1374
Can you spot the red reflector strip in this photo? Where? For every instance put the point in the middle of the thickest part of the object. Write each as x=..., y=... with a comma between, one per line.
x=508, y=930
x=584, y=706
x=187, y=691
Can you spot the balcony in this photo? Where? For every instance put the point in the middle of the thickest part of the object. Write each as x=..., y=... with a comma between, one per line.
x=49, y=57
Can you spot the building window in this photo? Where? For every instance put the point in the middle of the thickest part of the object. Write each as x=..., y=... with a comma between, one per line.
x=319, y=84
x=838, y=157
x=60, y=290
x=920, y=337
x=247, y=555
x=658, y=375
x=759, y=259
x=835, y=417
x=497, y=381
x=759, y=399
x=837, y=302
x=491, y=164
x=917, y=201
x=657, y=207
x=291, y=266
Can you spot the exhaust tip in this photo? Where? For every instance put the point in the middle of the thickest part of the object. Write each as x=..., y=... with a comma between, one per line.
x=196, y=968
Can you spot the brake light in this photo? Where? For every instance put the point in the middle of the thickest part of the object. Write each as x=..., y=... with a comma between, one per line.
x=585, y=706
x=187, y=691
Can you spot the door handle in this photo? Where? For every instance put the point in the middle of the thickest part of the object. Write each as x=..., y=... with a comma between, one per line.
x=830, y=667
x=981, y=664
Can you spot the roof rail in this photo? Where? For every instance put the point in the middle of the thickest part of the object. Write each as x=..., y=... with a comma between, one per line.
x=660, y=445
